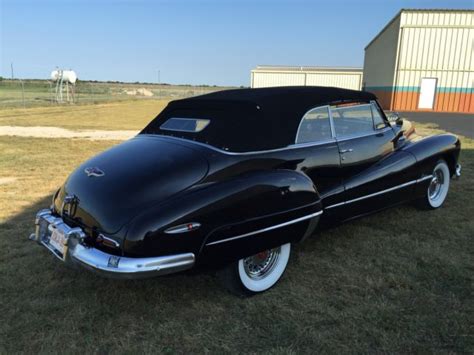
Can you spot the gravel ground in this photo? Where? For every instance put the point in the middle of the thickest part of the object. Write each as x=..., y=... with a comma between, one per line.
x=56, y=132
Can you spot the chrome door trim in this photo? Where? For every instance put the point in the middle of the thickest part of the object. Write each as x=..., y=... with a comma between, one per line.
x=381, y=192
x=304, y=218
x=331, y=122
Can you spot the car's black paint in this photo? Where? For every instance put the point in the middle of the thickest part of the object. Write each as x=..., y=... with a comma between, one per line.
x=138, y=173
x=154, y=182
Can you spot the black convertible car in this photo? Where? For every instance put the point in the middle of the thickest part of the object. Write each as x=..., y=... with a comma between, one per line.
x=231, y=179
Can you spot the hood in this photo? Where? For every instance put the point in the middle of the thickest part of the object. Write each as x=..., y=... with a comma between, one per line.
x=119, y=183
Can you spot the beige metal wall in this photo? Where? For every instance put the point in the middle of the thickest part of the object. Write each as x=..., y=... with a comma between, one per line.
x=436, y=45
x=334, y=79
x=262, y=79
x=419, y=44
x=379, y=62
x=348, y=79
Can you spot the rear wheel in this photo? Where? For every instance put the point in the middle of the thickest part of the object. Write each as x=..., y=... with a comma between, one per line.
x=256, y=273
x=438, y=188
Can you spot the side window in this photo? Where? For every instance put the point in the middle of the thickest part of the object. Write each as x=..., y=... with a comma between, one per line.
x=314, y=126
x=351, y=120
x=379, y=123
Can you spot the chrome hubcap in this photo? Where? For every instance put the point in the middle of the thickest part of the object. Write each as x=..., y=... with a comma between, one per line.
x=434, y=190
x=259, y=265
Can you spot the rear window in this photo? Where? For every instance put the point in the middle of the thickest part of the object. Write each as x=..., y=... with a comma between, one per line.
x=185, y=124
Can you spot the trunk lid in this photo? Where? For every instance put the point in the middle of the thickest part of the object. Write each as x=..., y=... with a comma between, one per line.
x=116, y=185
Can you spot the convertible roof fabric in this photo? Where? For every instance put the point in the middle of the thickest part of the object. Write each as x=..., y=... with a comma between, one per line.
x=245, y=120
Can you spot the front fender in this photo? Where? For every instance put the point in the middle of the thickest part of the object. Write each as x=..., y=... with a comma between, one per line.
x=238, y=205
x=429, y=150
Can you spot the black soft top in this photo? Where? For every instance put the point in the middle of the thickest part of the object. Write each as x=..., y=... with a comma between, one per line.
x=245, y=120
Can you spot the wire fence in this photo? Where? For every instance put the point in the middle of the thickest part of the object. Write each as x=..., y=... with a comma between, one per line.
x=35, y=93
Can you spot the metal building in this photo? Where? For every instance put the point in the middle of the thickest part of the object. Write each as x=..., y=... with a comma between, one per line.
x=423, y=60
x=266, y=76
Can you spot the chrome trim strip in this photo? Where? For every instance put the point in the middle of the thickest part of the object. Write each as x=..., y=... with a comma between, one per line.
x=183, y=228
x=335, y=205
x=380, y=192
x=292, y=146
x=311, y=144
x=427, y=177
x=268, y=228
x=381, y=113
x=331, y=122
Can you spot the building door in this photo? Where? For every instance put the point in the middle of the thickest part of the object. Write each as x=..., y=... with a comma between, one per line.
x=427, y=93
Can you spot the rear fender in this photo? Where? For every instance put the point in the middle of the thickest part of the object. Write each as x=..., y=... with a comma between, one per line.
x=241, y=205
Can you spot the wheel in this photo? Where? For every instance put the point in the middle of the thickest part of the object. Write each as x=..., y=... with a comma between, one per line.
x=438, y=188
x=256, y=273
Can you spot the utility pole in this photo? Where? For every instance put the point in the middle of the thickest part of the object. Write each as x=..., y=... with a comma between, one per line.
x=11, y=66
x=158, y=76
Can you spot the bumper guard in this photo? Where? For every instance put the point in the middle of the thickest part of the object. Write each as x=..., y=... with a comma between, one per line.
x=76, y=252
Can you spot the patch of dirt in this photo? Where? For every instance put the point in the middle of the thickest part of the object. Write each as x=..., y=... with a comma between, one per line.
x=57, y=132
x=7, y=180
x=139, y=92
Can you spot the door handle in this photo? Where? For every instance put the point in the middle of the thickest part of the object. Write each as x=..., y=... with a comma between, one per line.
x=346, y=151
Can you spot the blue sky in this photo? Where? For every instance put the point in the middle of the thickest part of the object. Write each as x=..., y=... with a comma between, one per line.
x=197, y=42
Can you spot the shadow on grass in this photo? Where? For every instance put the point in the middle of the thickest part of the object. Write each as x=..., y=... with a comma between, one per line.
x=30, y=264
x=396, y=281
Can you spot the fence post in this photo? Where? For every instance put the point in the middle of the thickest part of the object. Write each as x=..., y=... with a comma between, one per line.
x=51, y=98
x=23, y=93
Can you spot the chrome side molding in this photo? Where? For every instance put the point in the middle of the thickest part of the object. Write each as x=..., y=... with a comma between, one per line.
x=304, y=218
x=427, y=177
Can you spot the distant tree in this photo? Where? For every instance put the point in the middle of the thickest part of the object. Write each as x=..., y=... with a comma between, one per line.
x=1, y=78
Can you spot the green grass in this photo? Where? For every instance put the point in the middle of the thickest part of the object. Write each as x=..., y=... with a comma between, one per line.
x=397, y=281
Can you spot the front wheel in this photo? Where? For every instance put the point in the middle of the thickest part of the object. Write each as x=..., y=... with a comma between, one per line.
x=256, y=273
x=438, y=188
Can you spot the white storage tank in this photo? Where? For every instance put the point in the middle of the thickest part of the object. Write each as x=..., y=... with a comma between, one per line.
x=67, y=75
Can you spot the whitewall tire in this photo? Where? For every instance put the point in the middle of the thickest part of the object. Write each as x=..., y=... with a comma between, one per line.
x=256, y=273
x=438, y=187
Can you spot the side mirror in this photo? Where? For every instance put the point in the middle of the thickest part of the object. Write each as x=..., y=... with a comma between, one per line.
x=392, y=116
x=399, y=139
x=395, y=117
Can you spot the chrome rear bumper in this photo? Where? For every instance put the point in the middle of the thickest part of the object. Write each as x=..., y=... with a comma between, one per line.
x=78, y=253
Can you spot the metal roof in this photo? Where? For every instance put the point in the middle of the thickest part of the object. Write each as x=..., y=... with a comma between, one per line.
x=306, y=68
x=413, y=10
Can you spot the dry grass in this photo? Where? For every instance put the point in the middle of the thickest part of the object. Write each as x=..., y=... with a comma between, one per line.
x=128, y=115
x=398, y=281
